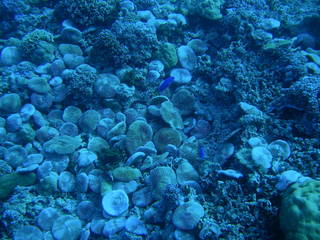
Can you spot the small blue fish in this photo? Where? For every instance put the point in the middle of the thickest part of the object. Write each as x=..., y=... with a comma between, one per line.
x=202, y=152
x=166, y=83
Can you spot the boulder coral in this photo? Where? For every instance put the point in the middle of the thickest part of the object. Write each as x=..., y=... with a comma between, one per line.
x=139, y=133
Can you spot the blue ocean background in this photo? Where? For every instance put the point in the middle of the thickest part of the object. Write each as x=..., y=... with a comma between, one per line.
x=159, y=119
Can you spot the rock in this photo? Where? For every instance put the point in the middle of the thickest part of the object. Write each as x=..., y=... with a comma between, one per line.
x=128, y=187
x=69, y=129
x=184, y=100
x=224, y=152
x=71, y=34
x=113, y=226
x=27, y=111
x=10, y=103
x=99, y=146
x=95, y=179
x=190, y=149
x=166, y=136
x=144, y=15
x=261, y=35
x=85, y=158
x=72, y=60
x=15, y=156
x=115, y=202
x=269, y=24
x=202, y=129
x=13, y=122
x=139, y=133
x=156, y=65
x=131, y=115
x=70, y=49
x=28, y=232
x=287, y=178
x=46, y=133
x=56, y=82
x=257, y=141
x=43, y=69
x=55, y=117
x=35, y=158
x=39, y=85
x=187, y=215
x=198, y=46
x=250, y=109
x=171, y=115
x=66, y=228
x=187, y=57
x=42, y=102
x=178, y=18
x=27, y=169
x=26, y=134
x=82, y=182
x=280, y=149
x=105, y=85
x=136, y=158
x=3, y=134
x=39, y=119
x=71, y=114
x=136, y=226
x=126, y=174
x=62, y=145
x=96, y=225
x=66, y=182
x=86, y=210
x=89, y=120
x=154, y=110
x=148, y=149
x=142, y=197
x=186, y=172
x=181, y=75
x=49, y=184
x=44, y=169
x=59, y=162
x=57, y=67
x=153, y=76
x=117, y=130
x=46, y=218
x=277, y=43
x=262, y=157
x=10, y=56
x=230, y=173
x=104, y=126
x=160, y=178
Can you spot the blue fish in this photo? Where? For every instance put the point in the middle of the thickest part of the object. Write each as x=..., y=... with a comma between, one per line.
x=166, y=83
x=202, y=152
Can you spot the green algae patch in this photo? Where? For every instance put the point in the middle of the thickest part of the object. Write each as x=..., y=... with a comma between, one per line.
x=8, y=182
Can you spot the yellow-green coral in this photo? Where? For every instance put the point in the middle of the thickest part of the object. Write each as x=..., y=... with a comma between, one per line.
x=300, y=211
